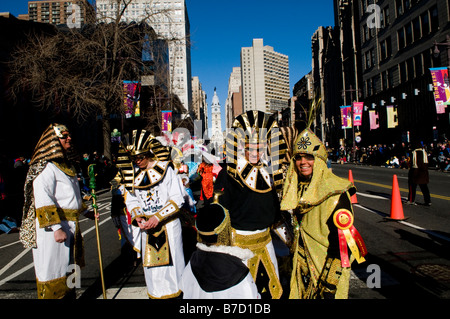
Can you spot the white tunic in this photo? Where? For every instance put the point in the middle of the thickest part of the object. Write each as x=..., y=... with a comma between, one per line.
x=161, y=281
x=246, y=289
x=52, y=187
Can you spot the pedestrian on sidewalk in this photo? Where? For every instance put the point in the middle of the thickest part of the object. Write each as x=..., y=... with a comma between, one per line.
x=418, y=174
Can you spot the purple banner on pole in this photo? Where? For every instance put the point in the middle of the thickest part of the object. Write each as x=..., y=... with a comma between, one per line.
x=166, y=121
x=441, y=88
x=132, y=94
x=346, y=118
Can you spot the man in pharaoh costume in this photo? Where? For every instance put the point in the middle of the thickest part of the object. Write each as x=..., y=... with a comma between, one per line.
x=322, y=221
x=53, y=204
x=250, y=184
x=217, y=270
x=153, y=194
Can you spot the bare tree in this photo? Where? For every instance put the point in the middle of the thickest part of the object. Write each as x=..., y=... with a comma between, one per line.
x=81, y=70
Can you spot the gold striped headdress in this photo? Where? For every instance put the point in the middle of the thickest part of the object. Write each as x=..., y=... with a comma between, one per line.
x=141, y=142
x=48, y=147
x=261, y=128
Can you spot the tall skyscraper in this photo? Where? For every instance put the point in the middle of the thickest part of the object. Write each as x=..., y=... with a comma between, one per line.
x=233, y=104
x=199, y=105
x=265, y=78
x=169, y=19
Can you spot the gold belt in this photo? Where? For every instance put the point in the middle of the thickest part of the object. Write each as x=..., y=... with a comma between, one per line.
x=253, y=241
x=257, y=243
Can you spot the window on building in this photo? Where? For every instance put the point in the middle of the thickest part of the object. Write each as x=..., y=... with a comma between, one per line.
x=434, y=18
x=384, y=80
x=424, y=18
x=408, y=33
x=418, y=65
x=401, y=38
x=399, y=7
x=390, y=78
x=410, y=69
x=416, y=29
x=403, y=73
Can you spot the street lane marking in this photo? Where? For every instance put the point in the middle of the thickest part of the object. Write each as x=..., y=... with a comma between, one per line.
x=23, y=253
x=401, y=189
x=430, y=232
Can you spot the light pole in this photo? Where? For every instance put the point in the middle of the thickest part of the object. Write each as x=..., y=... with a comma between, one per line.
x=436, y=51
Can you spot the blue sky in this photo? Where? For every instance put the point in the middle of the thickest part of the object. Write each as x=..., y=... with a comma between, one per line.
x=219, y=29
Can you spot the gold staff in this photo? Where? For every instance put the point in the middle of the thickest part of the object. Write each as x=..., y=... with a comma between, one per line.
x=92, y=185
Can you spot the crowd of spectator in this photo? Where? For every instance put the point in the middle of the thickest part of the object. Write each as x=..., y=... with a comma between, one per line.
x=393, y=155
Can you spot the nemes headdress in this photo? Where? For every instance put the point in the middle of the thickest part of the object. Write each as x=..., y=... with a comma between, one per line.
x=256, y=127
x=48, y=147
x=139, y=142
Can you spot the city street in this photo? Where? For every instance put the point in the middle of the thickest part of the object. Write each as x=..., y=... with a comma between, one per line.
x=406, y=259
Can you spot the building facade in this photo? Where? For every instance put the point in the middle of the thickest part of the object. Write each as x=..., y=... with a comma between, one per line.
x=72, y=13
x=233, y=105
x=170, y=20
x=265, y=78
x=387, y=49
x=199, y=106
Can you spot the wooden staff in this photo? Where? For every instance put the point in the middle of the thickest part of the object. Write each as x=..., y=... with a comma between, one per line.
x=92, y=185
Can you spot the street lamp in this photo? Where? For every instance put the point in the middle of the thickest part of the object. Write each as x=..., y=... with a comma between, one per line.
x=436, y=51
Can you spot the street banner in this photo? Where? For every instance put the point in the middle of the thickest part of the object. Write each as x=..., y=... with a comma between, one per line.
x=357, y=113
x=374, y=121
x=441, y=88
x=392, y=117
x=346, y=118
x=132, y=94
x=166, y=121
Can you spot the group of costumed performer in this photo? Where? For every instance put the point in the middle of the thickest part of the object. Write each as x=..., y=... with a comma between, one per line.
x=52, y=207
x=153, y=195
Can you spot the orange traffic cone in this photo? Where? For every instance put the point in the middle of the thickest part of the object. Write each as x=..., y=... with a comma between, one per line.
x=350, y=178
x=396, y=201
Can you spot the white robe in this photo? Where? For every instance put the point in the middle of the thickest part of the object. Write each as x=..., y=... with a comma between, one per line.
x=246, y=289
x=162, y=281
x=52, y=187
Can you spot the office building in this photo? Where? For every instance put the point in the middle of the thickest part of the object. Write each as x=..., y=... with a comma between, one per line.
x=169, y=19
x=265, y=78
x=233, y=104
x=72, y=13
